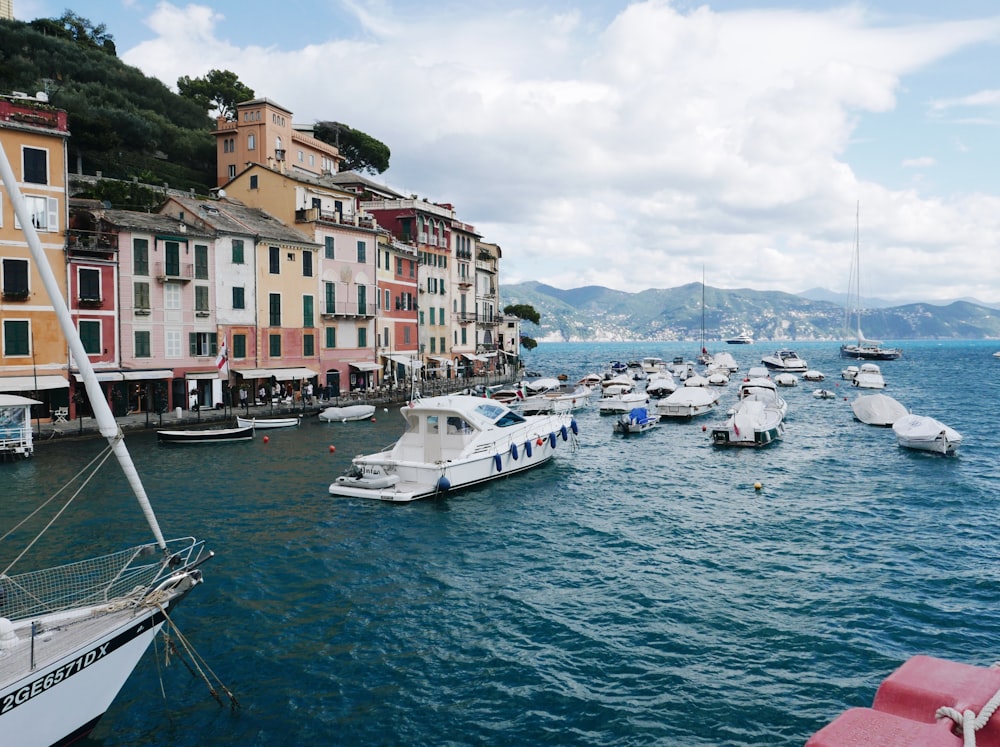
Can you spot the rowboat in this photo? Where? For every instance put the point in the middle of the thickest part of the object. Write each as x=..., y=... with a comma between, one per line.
x=205, y=436
x=242, y=422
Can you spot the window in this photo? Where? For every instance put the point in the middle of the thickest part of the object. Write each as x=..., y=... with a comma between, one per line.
x=442, y=344
x=171, y=296
x=140, y=296
x=274, y=306
x=201, y=344
x=331, y=337
x=406, y=335
x=362, y=247
x=329, y=247
x=432, y=314
x=253, y=181
x=307, y=264
x=252, y=145
x=387, y=299
x=330, y=300
x=172, y=343
x=434, y=345
x=420, y=318
x=44, y=213
x=362, y=299
x=239, y=346
x=90, y=336
x=142, y=346
x=362, y=337
x=274, y=260
x=239, y=300
x=238, y=252
x=201, y=298
x=274, y=346
x=412, y=266
x=15, y=279
x=307, y=312
x=464, y=340
x=399, y=265
x=385, y=336
x=201, y=261
x=301, y=157
x=16, y=335
x=231, y=171
x=90, y=284
x=308, y=345
x=172, y=258
x=140, y=256
x=36, y=165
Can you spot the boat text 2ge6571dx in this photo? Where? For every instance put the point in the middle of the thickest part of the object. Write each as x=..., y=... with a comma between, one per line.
x=70, y=636
x=454, y=442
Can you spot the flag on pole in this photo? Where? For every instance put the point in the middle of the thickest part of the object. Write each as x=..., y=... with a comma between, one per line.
x=222, y=360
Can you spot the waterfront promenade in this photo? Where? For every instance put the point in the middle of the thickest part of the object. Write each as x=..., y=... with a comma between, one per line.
x=46, y=431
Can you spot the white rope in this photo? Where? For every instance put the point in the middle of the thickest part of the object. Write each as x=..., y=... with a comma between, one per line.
x=969, y=722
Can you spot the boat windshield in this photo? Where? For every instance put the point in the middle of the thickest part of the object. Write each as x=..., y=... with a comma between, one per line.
x=501, y=416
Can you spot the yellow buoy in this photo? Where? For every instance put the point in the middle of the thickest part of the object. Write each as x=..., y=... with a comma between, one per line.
x=757, y=485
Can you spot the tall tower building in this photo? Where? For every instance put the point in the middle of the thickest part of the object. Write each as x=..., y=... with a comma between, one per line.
x=7, y=9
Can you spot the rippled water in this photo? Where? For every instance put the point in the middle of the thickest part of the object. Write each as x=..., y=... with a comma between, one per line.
x=632, y=592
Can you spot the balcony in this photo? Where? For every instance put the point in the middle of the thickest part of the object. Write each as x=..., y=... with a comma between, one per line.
x=91, y=243
x=90, y=302
x=464, y=317
x=165, y=272
x=16, y=294
x=348, y=309
x=312, y=215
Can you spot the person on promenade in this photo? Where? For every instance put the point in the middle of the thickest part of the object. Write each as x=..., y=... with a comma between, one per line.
x=244, y=403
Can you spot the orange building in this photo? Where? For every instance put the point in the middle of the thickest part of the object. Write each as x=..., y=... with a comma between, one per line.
x=34, y=354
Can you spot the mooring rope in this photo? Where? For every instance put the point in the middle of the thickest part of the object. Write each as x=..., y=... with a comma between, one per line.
x=197, y=665
x=969, y=722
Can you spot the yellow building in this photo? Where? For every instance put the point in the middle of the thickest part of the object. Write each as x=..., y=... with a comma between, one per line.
x=34, y=355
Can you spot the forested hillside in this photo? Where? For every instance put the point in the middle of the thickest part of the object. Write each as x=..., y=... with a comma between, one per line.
x=122, y=123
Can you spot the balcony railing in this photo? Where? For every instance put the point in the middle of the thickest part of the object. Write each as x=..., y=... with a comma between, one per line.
x=91, y=242
x=164, y=272
x=311, y=215
x=90, y=302
x=16, y=294
x=348, y=309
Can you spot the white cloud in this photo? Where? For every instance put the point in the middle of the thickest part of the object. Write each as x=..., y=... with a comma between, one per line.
x=634, y=154
x=918, y=163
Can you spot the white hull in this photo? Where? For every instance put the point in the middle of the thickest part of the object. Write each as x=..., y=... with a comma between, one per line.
x=622, y=403
x=345, y=414
x=264, y=423
x=688, y=402
x=751, y=425
x=785, y=360
x=877, y=409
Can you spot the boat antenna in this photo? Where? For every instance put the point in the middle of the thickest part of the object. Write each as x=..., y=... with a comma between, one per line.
x=106, y=422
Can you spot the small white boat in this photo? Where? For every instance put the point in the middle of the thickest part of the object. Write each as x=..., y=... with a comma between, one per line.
x=758, y=372
x=877, y=409
x=724, y=362
x=786, y=379
x=869, y=376
x=784, y=360
x=740, y=339
x=652, y=365
x=206, y=435
x=660, y=385
x=752, y=423
x=849, y=373
x=824, y=394
x=718, y=378
x=926, y=434
x=452, y=442
x=696, y=380
x=242, y=422
x=638, y=420
x=621, y=401
x=764, y=390
x=555, y=400
x=348, y=412
x=813, y=375
x=688, y=402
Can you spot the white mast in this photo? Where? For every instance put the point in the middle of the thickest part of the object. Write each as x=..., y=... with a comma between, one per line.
x=102, y=411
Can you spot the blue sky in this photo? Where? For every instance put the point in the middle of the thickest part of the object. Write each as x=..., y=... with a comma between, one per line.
x=638, y=144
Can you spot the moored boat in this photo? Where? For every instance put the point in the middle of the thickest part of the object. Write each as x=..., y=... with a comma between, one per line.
x=877, y=409
x=752, y=423
x=741, y=339
x=924, y=433
x=688, y=402
x=265, y=423
x=638, y=420
x=205, y=435
x=346, y=413
x=784, y=360
x=453, y=442
x=869, y=376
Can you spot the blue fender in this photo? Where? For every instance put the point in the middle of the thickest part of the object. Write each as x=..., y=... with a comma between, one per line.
x=552, y=439
x=513, y=451
x=527, y=448
x=498, y=461
x=573, y=426
x=564, y=433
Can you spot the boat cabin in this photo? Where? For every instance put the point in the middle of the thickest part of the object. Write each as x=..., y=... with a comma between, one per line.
x=15, y=426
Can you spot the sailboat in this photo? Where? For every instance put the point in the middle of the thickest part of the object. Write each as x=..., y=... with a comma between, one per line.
x=70, y=636
x=704, y=357
x=862, y=349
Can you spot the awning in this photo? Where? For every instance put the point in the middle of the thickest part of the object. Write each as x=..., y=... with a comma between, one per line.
x=280, y=374
x=364, y=365
x=31, y=383
x=442, y=359
x=13, y=400
x=474, y=357
x=162, y=373
x=199, y=375
x=405, y=360
x=103, y=376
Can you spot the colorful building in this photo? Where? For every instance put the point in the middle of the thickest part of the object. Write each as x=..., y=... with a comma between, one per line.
x=34, y=354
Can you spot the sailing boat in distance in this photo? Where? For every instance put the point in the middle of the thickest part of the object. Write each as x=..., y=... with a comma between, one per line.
x=70, y=636
x=862, y=349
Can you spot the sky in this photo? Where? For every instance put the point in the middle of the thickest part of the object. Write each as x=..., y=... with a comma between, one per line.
x=645, y=144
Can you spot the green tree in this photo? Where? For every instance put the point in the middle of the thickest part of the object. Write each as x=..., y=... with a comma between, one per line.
x=360, y=150
x=79, y=29
x=528, y=343
x=524, y=311
x=220, y=90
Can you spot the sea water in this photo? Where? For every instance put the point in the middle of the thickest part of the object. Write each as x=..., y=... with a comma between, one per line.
x=633, y=591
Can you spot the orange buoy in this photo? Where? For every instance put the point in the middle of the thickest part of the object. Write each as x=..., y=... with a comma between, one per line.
x=332, y=448
x=266, y=439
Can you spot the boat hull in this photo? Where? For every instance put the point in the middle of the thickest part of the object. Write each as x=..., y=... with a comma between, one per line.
x=265, y=423
x=348, y=413
x=208, y=436
x=922, y=433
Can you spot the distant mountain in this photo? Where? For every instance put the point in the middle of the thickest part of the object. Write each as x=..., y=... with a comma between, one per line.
x=594, y=313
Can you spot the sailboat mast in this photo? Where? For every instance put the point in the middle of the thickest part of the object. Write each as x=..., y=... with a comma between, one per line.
x=856, y=301
x=102, y=411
